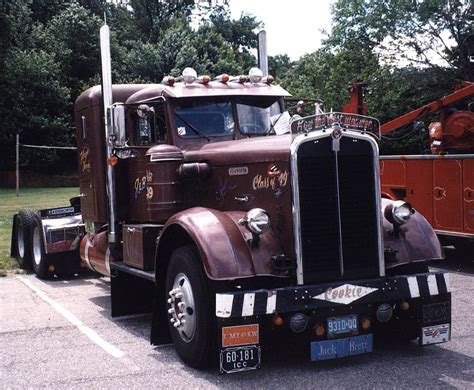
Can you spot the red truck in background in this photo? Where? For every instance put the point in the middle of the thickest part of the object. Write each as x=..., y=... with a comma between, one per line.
x=440, y=185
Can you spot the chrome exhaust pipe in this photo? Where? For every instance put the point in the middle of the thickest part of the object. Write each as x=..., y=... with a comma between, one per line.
x=262, y=52
x=107, y=100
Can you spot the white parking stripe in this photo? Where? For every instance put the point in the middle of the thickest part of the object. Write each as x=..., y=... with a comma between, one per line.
x=413, y=285
x=93, y=336
x=247, y=307
x=432, y=285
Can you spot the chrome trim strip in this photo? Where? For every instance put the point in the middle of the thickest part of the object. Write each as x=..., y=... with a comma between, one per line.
x=297, y=142
x=340, y=238
x=429, y=157
x=454, y=234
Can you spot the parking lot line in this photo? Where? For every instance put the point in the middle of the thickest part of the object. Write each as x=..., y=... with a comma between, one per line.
x=91, y=334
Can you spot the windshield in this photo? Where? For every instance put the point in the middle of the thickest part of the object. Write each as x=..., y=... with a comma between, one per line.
x=261, y=116
x=196, y=118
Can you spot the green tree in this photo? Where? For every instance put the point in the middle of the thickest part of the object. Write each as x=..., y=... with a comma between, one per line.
x=35, y=105
x=433, y=33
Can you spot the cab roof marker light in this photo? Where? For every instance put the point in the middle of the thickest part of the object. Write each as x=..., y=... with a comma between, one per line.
x=189, y=75
x=168, y=80
x=255, y=75
x=268, y=79
x=224, y=78
x=203, y=79
x=239, y=79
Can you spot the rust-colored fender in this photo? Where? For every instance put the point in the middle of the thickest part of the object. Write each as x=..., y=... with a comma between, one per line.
x=414, y=241
x=221, y=241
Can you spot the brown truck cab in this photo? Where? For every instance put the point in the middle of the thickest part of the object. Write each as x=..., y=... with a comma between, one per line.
x=238, y=224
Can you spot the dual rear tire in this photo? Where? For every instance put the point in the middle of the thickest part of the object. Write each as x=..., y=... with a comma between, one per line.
x=30, y=252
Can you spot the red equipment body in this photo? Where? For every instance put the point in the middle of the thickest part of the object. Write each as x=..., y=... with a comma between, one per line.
x=440, y=185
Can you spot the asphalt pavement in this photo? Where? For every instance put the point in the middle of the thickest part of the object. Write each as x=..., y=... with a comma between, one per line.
x=59, y=334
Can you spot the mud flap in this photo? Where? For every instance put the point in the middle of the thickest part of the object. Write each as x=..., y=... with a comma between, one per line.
x=130, y=294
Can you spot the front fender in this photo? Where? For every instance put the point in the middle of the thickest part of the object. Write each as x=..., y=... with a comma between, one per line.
x=414, y=241
x=221, y=241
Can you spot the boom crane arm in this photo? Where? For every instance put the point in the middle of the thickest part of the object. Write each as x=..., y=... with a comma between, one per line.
x=465, y=90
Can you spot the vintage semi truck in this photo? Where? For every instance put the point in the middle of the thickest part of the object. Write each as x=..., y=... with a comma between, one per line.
x=234, y=223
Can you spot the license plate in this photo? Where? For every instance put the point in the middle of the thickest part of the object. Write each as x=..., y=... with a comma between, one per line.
x=240, y=359
x=332, y=349
x=342, y=325
x=435, y=334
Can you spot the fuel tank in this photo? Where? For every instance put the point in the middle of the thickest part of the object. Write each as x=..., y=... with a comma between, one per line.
x=95, y=253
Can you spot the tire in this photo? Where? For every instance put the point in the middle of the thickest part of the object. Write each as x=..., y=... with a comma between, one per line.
x=38, y=255
x=24, y=225
x=188, y=300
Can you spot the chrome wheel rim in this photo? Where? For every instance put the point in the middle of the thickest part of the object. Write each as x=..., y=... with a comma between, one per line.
x=181, y=307
x=20, y=239
x=36, y=246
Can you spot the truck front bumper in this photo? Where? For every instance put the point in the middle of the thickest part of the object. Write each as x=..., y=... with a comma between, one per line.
x=247, y=319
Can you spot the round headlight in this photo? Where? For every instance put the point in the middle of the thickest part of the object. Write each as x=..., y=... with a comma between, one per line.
x=399, y=212
x=258, y=221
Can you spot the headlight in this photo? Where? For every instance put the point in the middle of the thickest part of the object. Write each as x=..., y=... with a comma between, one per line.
x=257, y=221
x=399, y=212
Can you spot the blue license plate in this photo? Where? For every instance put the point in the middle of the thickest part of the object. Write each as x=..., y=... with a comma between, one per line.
x=332, y=349
x=342, y=325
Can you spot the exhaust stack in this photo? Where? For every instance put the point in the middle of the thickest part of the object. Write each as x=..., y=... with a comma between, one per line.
x=262, y=52
x=107, y=100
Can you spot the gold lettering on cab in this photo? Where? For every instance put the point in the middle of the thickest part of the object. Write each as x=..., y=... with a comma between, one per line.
x=261, y=182
x=141, y=185
x=84, y=158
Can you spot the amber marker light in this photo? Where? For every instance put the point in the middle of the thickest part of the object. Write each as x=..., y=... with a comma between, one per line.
x=404, y=305
x=365, y=323
x=204, y=79
x=268, y=79
x=112, y=160
x=320, y=330
x=224, y=78
x=278, y=320
x=242, y=79
x=168, y=80
x=51, y=268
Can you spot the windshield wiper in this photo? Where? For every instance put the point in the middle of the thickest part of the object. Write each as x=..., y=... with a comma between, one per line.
x=193, y=128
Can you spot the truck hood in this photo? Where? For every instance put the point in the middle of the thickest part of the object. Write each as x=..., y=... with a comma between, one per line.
x=247, y=151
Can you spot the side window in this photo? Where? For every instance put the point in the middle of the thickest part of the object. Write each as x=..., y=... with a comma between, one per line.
x=150, y=124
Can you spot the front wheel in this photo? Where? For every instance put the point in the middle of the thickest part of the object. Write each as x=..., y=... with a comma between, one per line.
x=189, y=308
x=40, y=261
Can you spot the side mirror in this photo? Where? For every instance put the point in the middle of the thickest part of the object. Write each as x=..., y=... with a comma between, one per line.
x=118, y=115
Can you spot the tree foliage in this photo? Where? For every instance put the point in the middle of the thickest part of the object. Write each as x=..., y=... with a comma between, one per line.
x=409, y=51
